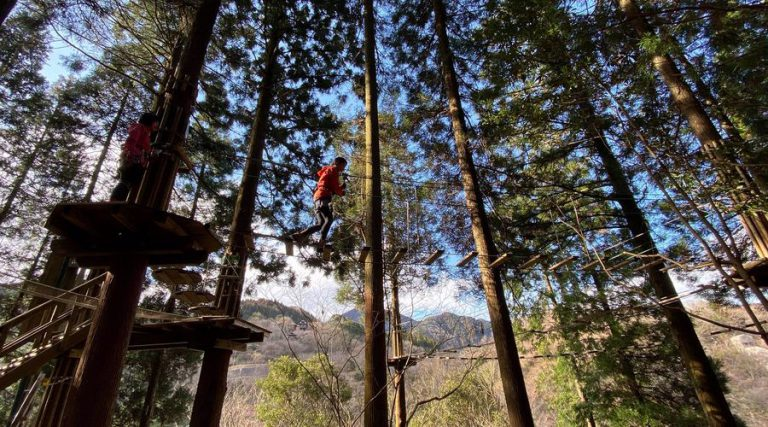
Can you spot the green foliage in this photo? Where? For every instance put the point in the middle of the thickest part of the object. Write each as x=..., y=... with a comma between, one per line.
x=558, y=382
x=468, y=398
x=302, y=393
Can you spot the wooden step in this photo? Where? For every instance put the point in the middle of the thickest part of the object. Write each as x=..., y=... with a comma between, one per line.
x=177, y=276
x=194, y=298
x=34, y=362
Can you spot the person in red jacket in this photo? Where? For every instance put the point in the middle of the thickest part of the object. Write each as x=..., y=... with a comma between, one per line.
x=328, y=185
x=134, y=156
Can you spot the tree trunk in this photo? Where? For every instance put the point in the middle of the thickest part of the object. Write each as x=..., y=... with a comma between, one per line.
x=97, y=378
x=732, y=174
x=206, y=410
x=376, y=412
x=228, y=294
x=397, y=352
x=103, y=155
x=98, y=375
x=169, y=77
x=158, y=181
x=6, y=6
x=703, y=376
x=211, y=389
x=725, y=122
x=198, y=192
x=41, y=147
x=515, y=393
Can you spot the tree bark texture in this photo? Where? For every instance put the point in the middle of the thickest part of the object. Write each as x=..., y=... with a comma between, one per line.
x=211, y=389
x=376, y=412
x=725, y=122
x=734, y=175
x=703, y=377
x=400, y=415
x=510, y=369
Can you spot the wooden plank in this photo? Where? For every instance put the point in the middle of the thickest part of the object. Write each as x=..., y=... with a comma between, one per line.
x=288, y=247
x=557, y=265
x=327, y=249
x=590, y=264
x=467, y=258
x=530, y=263
x=112, y=225
x=501, y=259
x=363, y=254
x=433, y=257
x=399, y=255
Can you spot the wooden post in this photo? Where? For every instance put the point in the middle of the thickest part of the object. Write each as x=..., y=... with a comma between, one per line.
x=211, y=389
x=511, y=371
x=98, y=374
x=375, y=402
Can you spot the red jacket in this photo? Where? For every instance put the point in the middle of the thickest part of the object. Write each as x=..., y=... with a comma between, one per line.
x=328, y=183
x=137, y=147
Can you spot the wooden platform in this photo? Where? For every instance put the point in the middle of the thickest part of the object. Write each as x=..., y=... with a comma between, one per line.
x=198, y=333
x=95, y=233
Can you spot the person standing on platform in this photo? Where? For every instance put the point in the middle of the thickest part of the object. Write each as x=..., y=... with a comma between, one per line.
x=328, y=185
x=134, y=156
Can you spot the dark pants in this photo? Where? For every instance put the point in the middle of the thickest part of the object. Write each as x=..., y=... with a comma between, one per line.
x=130, y=178
x=324, y=216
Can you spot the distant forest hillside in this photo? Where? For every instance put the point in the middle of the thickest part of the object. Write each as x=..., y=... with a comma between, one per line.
x=743, y=358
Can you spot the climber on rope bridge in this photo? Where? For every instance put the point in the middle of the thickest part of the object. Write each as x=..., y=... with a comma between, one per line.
x=328, y=185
